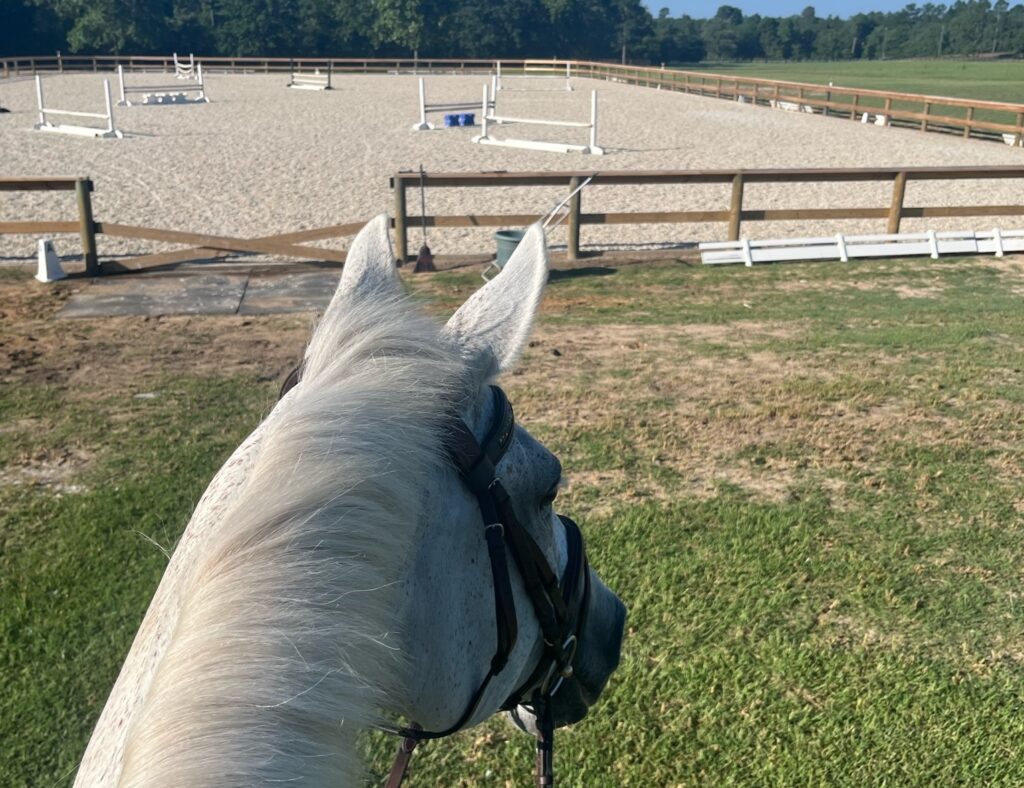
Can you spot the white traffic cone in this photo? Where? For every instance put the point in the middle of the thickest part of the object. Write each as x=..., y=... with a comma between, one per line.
x=49, y=263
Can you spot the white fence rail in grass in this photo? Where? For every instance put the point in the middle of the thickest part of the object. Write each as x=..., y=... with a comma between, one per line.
x=533, y=70
x=555, y=147
x=45, y=124
x=848, y=247
x=452, y=106
x=164, y=94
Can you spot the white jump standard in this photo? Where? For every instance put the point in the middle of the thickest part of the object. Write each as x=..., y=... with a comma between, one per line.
x=554, y=147
x=534, y=70
x=311, y=80
x=164, y=94
x=106, y=131
x=185, y=70
x=454, y=106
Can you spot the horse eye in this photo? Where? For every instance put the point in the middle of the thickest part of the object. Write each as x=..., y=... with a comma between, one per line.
x=550, y=495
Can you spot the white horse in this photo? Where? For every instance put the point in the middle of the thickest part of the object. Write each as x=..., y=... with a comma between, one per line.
x=334, y=575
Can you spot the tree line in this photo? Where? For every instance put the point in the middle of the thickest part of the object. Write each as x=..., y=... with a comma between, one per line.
x=578, y=29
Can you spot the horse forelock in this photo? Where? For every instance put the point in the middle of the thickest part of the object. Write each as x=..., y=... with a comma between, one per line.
x=285, y=642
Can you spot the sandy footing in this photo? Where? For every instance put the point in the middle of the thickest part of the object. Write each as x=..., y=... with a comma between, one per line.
x=262, y=158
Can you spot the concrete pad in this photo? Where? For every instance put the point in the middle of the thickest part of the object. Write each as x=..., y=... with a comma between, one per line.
x=209, y=294
x=297, y=292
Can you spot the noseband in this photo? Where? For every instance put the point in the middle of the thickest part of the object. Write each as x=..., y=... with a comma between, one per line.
x=559, y=606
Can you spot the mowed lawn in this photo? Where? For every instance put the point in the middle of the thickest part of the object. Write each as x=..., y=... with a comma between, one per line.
x=805, y=480
x=993, y=81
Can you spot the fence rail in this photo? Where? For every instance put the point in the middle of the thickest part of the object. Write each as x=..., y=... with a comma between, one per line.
x=734, y=215
x=85, y=226
x=203, y=245
x=969, y=118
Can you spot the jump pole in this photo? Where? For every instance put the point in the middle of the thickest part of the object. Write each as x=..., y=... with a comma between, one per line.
x=455, y=106
x=554, y=147
x=83, y=131
x=181, y=71
x=423, y=125
x=174, y=92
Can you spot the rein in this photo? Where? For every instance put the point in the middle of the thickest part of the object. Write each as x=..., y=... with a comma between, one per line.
x=559, y=605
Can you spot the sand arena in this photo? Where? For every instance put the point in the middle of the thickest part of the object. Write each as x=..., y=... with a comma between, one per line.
x=262, y=159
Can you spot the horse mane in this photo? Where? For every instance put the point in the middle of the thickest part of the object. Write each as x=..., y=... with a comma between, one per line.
x=286, y=641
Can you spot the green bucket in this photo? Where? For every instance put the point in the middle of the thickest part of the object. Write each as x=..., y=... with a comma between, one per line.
x=507, y=241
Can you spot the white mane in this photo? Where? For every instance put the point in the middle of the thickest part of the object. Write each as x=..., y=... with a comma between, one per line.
x=286, y=612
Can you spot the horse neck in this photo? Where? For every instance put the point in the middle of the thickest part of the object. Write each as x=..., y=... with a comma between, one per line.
x=103, y=761
x=273, y=645
x=247, y=695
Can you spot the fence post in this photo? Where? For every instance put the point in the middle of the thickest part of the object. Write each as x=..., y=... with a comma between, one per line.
x=401, y=232
x=573, y=227
x=899, y=187
x=967, y=123
x=736, y=207
x=853, y=107
x=83, y=188
x=60, y=63
x=924, y=120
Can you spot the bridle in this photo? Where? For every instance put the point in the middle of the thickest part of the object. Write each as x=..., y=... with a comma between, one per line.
x=559, y=605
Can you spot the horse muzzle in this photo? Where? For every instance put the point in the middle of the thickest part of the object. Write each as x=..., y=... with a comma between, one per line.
x=596, y=659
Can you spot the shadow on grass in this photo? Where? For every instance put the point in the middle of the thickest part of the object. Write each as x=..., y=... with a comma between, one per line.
x=556, y=275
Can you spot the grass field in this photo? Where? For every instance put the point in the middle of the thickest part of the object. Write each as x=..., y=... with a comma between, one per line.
x=805, y=481
x=993, y=81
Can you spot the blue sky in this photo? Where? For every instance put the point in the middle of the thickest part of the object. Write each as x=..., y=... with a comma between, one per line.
x=701, y=9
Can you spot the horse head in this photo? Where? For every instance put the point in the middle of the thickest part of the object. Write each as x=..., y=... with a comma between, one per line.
x=383, y=547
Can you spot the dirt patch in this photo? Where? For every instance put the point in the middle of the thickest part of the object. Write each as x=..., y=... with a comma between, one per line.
x=54, y=468
x=740, y=333
x=906, y=291
x=641, y=411
x=125, y=352
x=819, y=285
x=761, y=420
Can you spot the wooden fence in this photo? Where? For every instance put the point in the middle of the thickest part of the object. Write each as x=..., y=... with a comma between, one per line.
x=85, y=226
x=201, y=245
x=970, y=118
x=966, y=117
x=734, y=215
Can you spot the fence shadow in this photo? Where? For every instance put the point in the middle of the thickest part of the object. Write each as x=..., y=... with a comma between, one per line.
x=556, y=275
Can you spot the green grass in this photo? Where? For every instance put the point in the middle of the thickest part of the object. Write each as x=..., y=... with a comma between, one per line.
x=992, y=81
x=804, y=481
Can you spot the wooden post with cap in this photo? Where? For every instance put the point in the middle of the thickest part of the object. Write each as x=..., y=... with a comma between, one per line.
x=899, y=187
x=736, y=207
x=87, y=227
x=573, y=242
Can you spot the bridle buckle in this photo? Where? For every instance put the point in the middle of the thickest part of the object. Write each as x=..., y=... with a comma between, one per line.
x=560, y=668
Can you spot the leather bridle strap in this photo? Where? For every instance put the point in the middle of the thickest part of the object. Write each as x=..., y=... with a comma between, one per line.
x=553, y=602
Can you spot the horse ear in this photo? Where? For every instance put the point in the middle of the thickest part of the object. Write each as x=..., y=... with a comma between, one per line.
x=370, y=263
x=499, y=316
